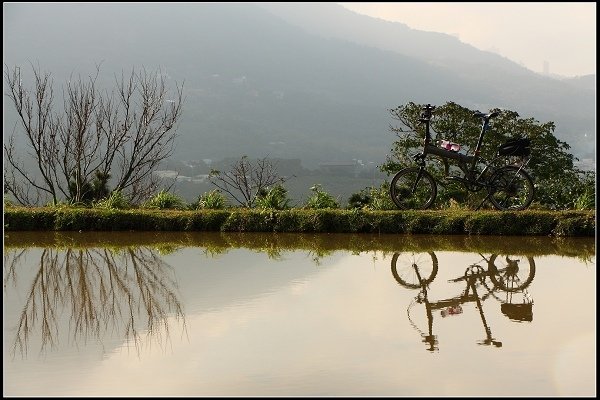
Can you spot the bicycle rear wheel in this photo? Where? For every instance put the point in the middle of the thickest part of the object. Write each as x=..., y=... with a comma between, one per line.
x=511, y=274
x=413, y=188
x=511, y=188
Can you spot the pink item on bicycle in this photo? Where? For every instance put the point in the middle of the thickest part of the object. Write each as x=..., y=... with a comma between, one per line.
x=449, y=145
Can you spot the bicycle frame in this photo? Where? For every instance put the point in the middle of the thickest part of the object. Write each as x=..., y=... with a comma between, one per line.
x=505, y=184
x=464, y=297
x=466, y=163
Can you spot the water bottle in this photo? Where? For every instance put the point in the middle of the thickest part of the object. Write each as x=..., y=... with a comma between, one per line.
x=445, y=144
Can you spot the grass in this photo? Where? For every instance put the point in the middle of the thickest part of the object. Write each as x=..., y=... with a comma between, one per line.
x=444, y=222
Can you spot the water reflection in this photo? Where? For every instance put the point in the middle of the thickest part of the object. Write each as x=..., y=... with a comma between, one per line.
x=504, y=278
x=98, y=290
x=319, y=245
x=298, y=315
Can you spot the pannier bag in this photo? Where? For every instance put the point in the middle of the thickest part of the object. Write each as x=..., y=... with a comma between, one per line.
x=518, y=312
x=515, y=147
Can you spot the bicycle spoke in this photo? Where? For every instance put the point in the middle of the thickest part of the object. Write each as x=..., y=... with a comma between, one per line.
x=510, y=273
x=511, y=189
x=413, y=188
x=413, y=270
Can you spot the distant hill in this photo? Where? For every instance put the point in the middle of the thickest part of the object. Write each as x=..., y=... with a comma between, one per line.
x=515, y=87
x=311, y=82
x=331, y=20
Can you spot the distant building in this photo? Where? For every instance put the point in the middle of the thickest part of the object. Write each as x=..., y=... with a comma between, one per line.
x=166, y=173
x=200, y=178
x=339, y=168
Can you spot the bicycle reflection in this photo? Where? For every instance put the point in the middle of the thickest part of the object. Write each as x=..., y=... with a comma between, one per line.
x=505, y=278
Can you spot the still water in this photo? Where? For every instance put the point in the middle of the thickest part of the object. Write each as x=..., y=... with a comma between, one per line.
x=211, y=314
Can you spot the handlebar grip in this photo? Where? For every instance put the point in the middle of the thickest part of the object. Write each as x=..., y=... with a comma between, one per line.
x=478, y=114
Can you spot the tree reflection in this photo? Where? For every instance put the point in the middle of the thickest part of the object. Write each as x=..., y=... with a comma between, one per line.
x=97, y=291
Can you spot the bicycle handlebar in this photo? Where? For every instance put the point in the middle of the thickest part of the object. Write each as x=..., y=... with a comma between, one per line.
x=478, y=114
x=428, y=109
x=426, y=115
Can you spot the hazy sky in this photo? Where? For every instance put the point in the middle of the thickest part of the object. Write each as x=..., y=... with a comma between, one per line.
x=562, y=35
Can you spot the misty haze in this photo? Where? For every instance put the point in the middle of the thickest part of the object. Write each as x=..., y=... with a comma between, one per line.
x=307, y=84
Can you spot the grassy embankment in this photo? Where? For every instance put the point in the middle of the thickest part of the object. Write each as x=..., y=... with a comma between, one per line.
x=444, y=222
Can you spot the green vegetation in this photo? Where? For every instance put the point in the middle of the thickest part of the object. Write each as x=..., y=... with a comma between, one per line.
x=369, y=211
x=320, y=199
x=215, y=243
x=275, y=198
x=213, y=200
x=559, y=185
x=460, y=222
x=115, y=201
x=164, y=200
x=371, y=198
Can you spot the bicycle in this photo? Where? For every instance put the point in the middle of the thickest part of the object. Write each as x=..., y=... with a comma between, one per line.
x=508, y=273
x=417, y=271
x=508, y=187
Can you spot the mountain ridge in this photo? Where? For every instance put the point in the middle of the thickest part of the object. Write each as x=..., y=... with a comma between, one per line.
x=259, y=85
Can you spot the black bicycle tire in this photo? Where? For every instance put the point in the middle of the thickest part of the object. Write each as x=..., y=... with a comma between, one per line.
x=494, y=272
x=426, y=175
x=409, y=285
x=520, y=172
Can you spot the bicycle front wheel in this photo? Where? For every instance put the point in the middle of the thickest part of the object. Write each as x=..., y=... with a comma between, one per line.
x=413, y=188
x=414, y=270
x=511, y=188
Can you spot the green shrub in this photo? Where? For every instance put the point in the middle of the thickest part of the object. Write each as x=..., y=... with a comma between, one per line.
x=518, y=223
x=213, y=200
x=164, y=200
x=585, y=201
x=28, y=219
x=575, y=190
x=575, y=224
x=115, y=201
x=275, y=198
x=358, y=200
x=248, y=220
x=62, y=204
x=372, y=198
x=320, y=199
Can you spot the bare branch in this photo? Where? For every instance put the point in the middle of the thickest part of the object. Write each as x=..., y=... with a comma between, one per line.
x=245, y=180
x=123, y=135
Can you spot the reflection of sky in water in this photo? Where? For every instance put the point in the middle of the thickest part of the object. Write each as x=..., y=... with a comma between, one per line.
x=255, y=326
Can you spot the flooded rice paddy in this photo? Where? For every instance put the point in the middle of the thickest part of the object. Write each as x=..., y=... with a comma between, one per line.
x=214, y=314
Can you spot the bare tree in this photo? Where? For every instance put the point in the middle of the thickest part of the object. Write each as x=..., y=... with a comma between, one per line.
x=245, y=180
x=96, y=136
